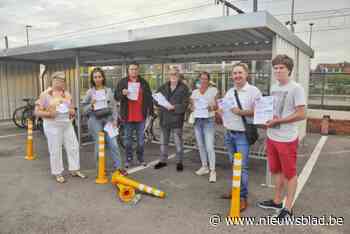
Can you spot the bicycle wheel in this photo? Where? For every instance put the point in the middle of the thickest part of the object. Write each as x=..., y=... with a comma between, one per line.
x=120, y=139
x=17, y=116
x=39, y=124
x=28, y=114
x=149, y=133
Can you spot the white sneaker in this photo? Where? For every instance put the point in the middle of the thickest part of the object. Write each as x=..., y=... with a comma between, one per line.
x=212, y=177
x=202, y=171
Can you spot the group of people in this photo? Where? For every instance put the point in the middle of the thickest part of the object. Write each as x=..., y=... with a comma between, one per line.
x=136, y=104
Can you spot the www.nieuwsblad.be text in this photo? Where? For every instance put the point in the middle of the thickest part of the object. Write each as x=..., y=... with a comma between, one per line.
x=325, y=220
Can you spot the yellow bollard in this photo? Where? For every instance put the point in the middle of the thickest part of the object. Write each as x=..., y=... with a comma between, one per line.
x=101, y=176
x=126, y=193
x=236, y=185
x=30, y=154
x=117, y=178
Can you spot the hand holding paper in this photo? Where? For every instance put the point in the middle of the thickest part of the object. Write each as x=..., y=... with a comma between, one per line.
x=226, y=104
x=62, y=108
x=161, y=100
x=100, y=95
x=263, y=111
x=133, y=90
x=99, y=99
x=111, y=130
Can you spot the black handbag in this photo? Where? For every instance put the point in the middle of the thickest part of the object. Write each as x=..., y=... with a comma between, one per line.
x=103, y=113
x=250, y=129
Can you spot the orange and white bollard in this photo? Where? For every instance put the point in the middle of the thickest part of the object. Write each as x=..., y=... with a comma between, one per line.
x=30, y=151
x=236, y=186
x=118, y=178
x=101, y=176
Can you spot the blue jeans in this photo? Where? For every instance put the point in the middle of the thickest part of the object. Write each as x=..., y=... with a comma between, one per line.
x=237, y=142
x=129, y=129
x=204, y=129
x=112, y=148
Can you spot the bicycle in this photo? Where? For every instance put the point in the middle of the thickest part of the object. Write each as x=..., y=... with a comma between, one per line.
x=23, y=113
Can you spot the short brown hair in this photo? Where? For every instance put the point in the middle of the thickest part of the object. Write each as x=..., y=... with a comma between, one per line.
x=242, y=65
x=285, y=60
x=133, y=63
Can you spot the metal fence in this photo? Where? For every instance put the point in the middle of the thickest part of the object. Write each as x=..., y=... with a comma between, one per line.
x=326, y=90
x=329, y=91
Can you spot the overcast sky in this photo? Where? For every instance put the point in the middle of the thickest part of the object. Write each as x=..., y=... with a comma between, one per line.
x=63, y=19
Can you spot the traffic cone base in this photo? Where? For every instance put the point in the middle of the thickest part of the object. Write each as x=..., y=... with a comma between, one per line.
x=33, y=157
x=102, y=180
x=126, y=193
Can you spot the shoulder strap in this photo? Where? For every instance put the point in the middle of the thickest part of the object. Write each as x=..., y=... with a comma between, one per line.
x=240, y=107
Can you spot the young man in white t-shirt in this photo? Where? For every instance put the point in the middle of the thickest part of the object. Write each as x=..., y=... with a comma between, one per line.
x=282, y=135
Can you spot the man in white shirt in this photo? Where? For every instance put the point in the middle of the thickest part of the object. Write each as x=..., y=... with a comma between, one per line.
x=282, y=135
x=235, y=137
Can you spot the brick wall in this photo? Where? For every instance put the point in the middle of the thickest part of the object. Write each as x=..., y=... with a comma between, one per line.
x=337, y=127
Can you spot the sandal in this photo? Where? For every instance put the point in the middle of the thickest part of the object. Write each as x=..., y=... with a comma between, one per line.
x=78, y=174
x=60, y=179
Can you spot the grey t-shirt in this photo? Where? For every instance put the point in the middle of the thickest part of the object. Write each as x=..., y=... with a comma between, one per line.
x=286, y=98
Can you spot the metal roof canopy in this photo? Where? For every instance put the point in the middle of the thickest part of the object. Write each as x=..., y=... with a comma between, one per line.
x=237, y=37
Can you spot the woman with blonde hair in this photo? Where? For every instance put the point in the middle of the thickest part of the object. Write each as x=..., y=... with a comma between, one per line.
x=57, y=111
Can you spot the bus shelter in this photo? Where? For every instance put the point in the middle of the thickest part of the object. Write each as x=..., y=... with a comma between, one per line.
x=253, y=36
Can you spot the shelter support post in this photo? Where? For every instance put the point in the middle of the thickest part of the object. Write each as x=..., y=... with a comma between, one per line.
x=77, y=96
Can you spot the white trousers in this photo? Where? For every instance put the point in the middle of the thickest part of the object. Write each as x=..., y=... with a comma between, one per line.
x=58, y=134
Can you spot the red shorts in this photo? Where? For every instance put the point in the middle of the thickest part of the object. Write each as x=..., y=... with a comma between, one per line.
x=282, y=157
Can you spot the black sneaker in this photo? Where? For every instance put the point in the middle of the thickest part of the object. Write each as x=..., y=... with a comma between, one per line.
x=270, y=204
x=284, y=214
x=160, y=165
x=179, y=167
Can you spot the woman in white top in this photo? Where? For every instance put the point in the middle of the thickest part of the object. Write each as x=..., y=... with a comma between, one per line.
x=56, y=109
x=203, y=101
